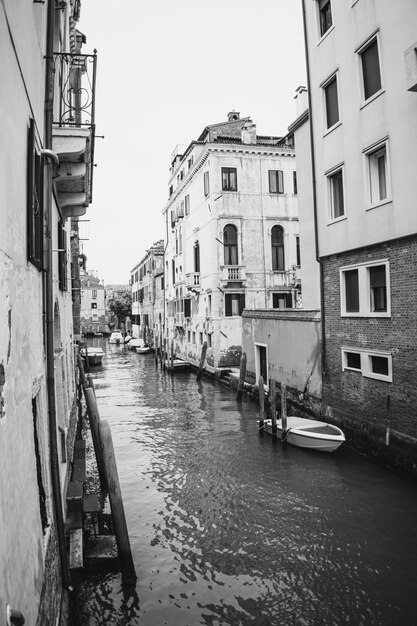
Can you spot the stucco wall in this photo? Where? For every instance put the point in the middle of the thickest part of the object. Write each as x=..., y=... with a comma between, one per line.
x=293, y=347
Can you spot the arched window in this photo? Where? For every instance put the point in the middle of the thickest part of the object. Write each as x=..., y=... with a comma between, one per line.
x=277, y=245
x=230, y=245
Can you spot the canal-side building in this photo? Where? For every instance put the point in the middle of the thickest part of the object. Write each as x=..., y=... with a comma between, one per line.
x=284, y=344
x=93, y=305
x=232, y=237
x=147, y=284
x=45, y=169
x=362, y=64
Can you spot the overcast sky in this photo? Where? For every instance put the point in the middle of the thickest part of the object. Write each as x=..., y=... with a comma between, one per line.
x=165, y=71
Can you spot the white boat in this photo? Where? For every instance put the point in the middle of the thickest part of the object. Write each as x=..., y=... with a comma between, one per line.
x=95, y=355
x=307, y=433
x=135, y=343
x=143, y=349
x=128, y=338
x=116, y=337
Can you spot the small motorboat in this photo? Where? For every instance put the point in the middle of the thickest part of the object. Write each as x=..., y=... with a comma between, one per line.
x=116, y=337
x=143, y=350
x=95, y=355
x=135, y=343
x=128, y=338
x=308, y=433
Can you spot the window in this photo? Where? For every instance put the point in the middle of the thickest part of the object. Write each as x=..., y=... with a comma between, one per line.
x=235, y=303
x=187, y=205
x=34, y=201
x=297, y=251
x=193, y=336
x=377, y=173
x=229, y=179
x=190, y=162
x=331, y=102
x=209, y=340
x=282, y=300
x=325, y=16
x=294, y=182
x=62, y=257
x=209, y=304
x=187, y=307
x=206, y=183
x=201, y=339
x=171, y=190
x=94, y=305
x=276, y=181
x=277, y=246
x=370, y=363
x=173, y=271
x=230, y=245
x=365, y=290
x=196, y=256
x=371, y=73
x=336, y=198
x=94, y=293
x=189, y=336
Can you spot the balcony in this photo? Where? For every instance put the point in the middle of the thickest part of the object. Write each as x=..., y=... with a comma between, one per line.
x=192, y=281
x=233, y=274
x=73, y=132
x=179, y=319
x=286, y=278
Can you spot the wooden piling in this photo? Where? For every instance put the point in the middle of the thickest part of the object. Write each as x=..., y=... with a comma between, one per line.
x=284, y=426
x=165, y=354
x=116, y=502
x=202, y=359
x=261, y=394
x=83, y=379
x=94, y=419
x=273, y=405
x=242, y=376
x=156, y=350
x=172, y=357
x=161, y=355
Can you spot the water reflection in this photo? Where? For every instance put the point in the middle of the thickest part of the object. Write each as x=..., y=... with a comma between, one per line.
x=229, y=527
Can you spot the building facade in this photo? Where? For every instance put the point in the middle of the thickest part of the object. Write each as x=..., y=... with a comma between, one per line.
x=147, y=283
x=232, y=237
x=93, y=305
x=362, y=66
x=39, y=196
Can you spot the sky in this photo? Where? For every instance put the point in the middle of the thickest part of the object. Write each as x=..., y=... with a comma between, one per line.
x=165, y=70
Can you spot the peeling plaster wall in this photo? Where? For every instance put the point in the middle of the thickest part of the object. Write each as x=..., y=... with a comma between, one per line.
x=293, y=347
x=27, y=549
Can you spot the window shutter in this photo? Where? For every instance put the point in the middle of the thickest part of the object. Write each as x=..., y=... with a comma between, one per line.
x=370, y=69
x=241, y=303
x=228, y=304
x=280, y=181
x=332, y=106
x=272, y=178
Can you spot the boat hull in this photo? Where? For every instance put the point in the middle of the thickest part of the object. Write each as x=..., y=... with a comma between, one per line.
x=306, y=433
x=95, y=355
x=143, y=350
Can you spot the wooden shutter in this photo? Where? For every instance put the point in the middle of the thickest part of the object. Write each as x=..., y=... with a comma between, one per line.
x=34, y=201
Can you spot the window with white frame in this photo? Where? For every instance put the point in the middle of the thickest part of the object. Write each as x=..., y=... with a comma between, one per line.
x=370, y=363
x=325, y=16
x=365, y=290
x=331, y=102
x=377, y=171
x=336, y=200
x=261, y=362
x=276, y=181
x=370, y=68
x=206, y=183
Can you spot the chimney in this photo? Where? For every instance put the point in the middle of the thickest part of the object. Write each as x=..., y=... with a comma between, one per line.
x=232, y=116
x=249, y=133
x=301, y=100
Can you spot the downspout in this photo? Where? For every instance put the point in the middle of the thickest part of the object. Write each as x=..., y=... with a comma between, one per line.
x=263, y=234
x=313, y=173
x=49, y=295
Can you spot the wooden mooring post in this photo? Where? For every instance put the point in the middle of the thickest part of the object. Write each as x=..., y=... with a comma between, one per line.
x=172, y=357
x=156, y=350
x=165, y=356
x=261, y=394
x=284, y=426
x=273, y=405
x=161, y=355
x=116, y=503
x=242, y=376
x=202, y=359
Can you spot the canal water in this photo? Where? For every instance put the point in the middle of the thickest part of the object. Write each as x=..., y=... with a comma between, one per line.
x=227, y=527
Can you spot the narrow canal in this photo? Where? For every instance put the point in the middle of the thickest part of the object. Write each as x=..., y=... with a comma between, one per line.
x=227, y=527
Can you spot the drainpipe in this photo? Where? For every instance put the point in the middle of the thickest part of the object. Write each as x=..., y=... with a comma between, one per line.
x=263, y=234
x=313, y=173
x=49, y=295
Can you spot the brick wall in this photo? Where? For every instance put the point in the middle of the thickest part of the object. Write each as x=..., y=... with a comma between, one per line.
x=351, y=398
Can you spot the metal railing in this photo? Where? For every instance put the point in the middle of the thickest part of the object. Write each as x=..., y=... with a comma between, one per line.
x=76, y=83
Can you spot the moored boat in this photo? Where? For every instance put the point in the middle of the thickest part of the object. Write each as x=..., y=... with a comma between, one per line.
x=116, y=337
x=143, y=349
x=95, y=355
x=308, y=433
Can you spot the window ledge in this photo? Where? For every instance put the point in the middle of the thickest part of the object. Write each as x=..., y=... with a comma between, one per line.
x=372, y=98
x=326, y=34
x=332, y=128
x=337, y=220
x=378, y=204
x=367, y=315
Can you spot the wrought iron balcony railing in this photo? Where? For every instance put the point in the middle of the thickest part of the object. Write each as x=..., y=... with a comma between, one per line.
x=76, y=81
